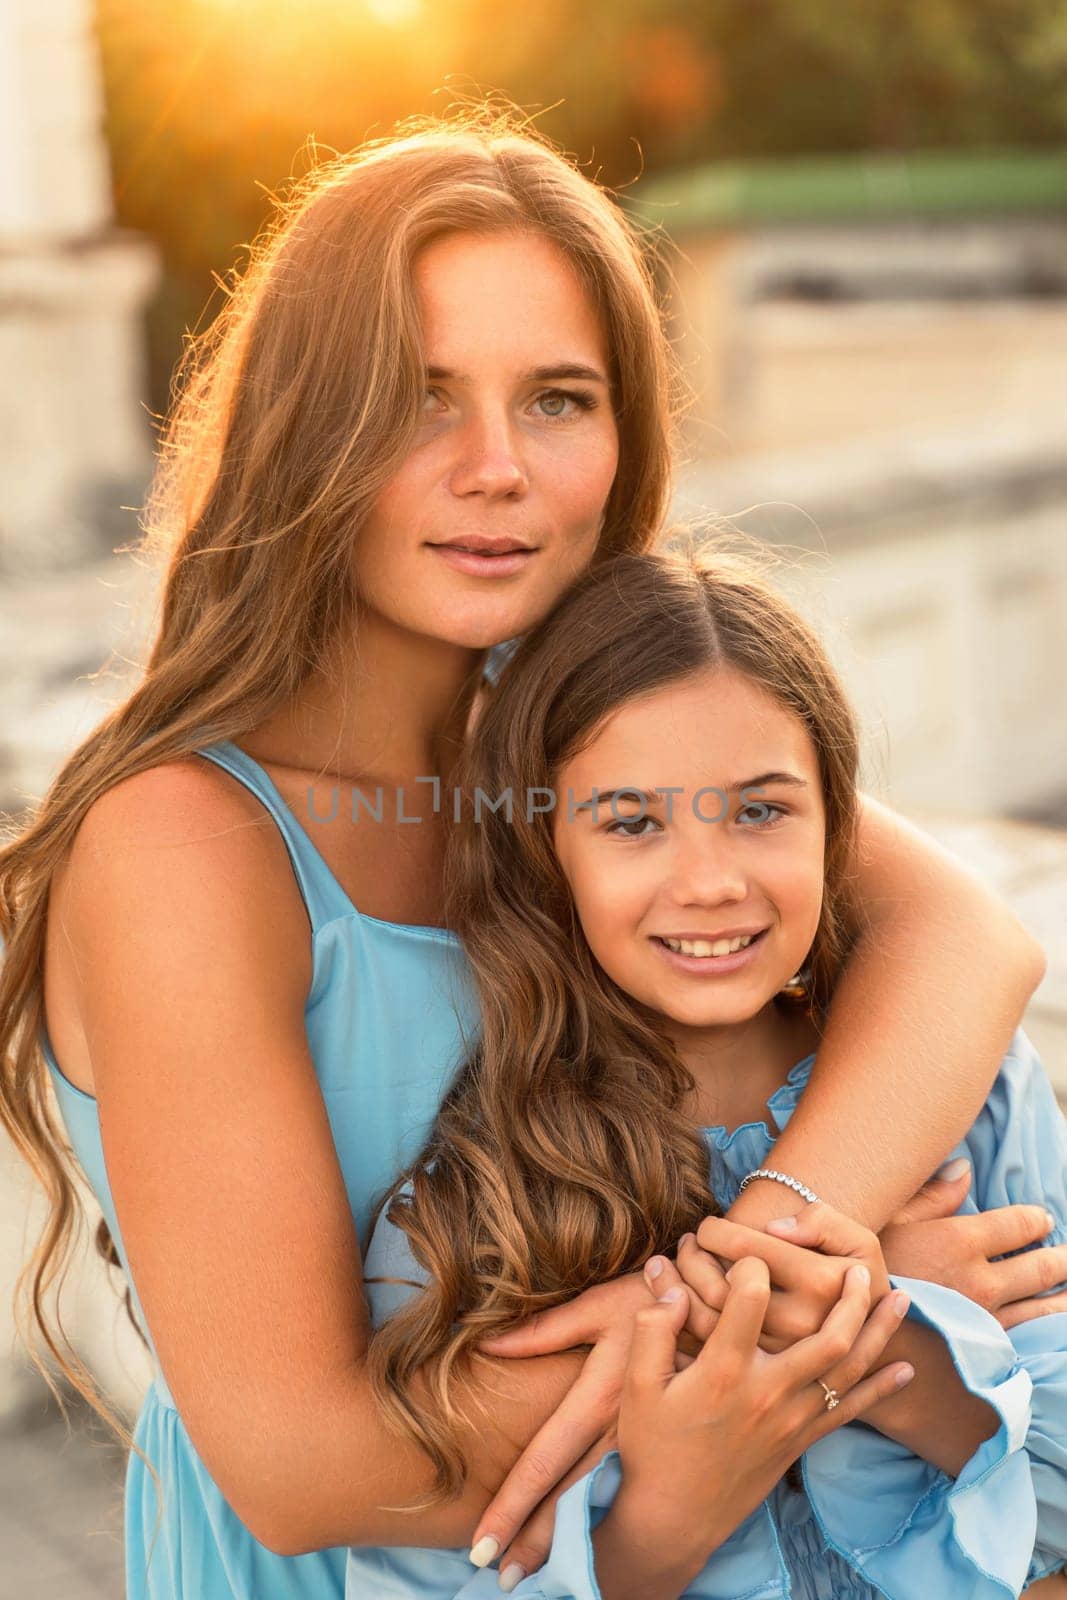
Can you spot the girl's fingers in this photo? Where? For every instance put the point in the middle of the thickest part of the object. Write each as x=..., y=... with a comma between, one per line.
x=810, y=1358
x=940, y=1196
x=741, y=1318
x=869, y=1344
x=655, y=1342
x=862, y=1397
x=1021, y=1277
x=702, y=1272
x=1025, y=1310
x=1007, y=1227
x=701, y=1320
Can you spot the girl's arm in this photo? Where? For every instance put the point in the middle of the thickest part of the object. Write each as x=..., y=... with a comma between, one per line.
x=937, y=980
x=190, y=941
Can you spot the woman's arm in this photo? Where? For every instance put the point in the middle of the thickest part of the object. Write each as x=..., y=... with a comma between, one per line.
x=191, y=945
x=936, y=983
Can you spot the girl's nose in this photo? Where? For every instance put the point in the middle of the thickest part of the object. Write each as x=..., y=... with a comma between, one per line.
x=704, y=869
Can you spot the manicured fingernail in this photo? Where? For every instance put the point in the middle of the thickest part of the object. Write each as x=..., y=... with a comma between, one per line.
x=686, y=1239
x=512, y=1576
x=486, y=1550
x=672, y=1294
x=904, y=1376
x=901, y=1302
x=654, y=1267
x=859, y=1273
x=788, y=1223
x=953, y=1169
x=1051, y=1220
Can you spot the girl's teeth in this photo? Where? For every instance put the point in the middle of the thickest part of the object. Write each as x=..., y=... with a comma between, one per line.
x=703, y=947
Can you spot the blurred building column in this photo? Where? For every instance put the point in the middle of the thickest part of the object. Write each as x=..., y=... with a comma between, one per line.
x=74, y=438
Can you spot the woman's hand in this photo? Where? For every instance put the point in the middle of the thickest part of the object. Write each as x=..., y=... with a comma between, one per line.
x=519, y=1521
x=702, y=1448
x=807, y=1275
x=927, y=1240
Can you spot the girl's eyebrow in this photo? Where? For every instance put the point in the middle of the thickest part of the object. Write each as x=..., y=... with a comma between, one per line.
x=557, y=369
x=769, y=777
x=651, y=797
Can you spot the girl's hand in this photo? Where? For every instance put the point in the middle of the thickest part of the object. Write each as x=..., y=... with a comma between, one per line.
x=808, y=1257
x=703, y=1447
x=519, y=1521
x=927, y=1240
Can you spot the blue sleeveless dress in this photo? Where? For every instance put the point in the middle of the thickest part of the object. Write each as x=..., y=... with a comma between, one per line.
x=389, y=1015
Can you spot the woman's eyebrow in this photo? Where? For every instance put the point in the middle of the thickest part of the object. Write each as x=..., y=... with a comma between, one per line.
x=555, y=370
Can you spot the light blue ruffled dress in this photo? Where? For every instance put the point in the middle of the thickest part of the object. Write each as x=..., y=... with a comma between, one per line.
x=875, y=1519
x=386, y=1016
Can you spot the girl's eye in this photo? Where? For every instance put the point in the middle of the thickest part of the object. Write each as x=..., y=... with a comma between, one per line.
x=622, y=825
x=578, y=397
x=763, y=805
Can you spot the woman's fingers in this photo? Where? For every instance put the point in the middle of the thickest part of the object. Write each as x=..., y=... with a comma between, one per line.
x=792, y=1266
x=1021, y=1277
x=588, y=1409
x=529, y=1550
x=819, y=1227
x=1025, y=1310
x=546, y=1332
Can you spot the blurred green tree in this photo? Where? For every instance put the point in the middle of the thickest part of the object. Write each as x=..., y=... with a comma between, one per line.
x=211, y=101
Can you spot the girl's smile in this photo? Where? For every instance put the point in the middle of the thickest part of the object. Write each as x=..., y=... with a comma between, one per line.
x=734, y=886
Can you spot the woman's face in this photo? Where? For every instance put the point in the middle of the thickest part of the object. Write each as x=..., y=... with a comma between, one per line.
x=510, y=447
x=756, y=864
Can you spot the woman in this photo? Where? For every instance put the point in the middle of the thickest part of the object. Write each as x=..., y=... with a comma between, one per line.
x=448, y=339
x=633, y=939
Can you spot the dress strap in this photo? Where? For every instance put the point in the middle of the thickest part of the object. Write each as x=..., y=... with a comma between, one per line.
x=322, y=894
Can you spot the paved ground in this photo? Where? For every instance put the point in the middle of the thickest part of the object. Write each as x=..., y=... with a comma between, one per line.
x=60, y=1508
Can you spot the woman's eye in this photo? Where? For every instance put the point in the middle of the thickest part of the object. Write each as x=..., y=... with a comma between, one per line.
x=556, y=399
x=623, y=825
x=763, y=805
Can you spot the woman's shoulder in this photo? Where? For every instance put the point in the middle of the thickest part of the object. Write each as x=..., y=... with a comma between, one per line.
x=169, y=818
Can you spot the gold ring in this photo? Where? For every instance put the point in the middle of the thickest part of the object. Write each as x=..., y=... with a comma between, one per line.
x=831, y=1395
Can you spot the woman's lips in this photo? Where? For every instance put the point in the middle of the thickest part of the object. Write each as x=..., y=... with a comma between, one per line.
x=483, y=565
x=711, y=966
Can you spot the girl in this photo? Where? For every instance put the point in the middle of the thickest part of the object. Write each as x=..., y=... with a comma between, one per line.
x=635, y=938
x=439, y=392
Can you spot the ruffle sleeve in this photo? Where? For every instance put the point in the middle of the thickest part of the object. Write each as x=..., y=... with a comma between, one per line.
x=749, y=1563
x=905, y=1525
x=1018, y=1150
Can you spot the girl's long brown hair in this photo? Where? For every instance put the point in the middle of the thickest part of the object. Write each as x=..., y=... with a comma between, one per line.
x=561, y=1156
x=289, y=415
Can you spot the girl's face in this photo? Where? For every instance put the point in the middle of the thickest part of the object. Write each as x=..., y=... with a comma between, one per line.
x=512, y=446
x=754, y=867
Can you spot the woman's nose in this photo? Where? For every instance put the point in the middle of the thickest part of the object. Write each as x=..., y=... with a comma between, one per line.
x=489, y=458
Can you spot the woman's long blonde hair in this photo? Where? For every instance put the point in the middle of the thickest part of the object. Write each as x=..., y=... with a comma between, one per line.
x=290, y=413
x=561, y=1158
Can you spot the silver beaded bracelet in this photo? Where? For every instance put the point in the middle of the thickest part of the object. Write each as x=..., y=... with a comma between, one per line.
x=781, y=1177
